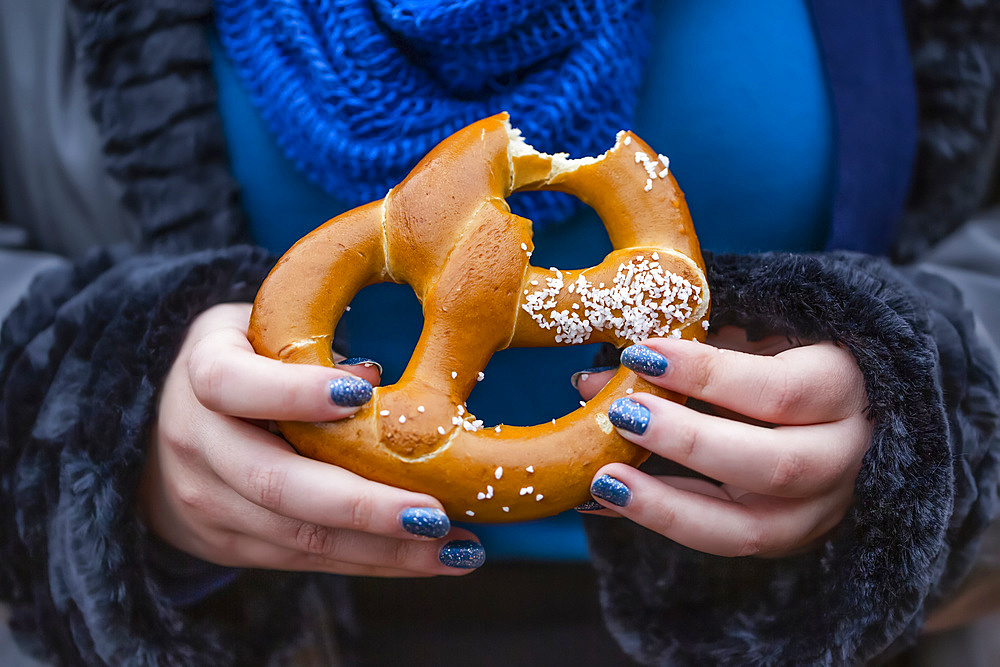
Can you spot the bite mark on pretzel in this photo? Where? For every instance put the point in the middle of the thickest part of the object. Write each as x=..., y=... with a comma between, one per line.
x=447, y=231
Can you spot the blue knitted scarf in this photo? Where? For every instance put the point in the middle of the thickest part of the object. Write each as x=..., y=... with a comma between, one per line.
x=357, y=91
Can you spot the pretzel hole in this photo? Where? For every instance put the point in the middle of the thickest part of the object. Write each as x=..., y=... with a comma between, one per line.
x=384, y=324
x=524, y=386
x=541, y=375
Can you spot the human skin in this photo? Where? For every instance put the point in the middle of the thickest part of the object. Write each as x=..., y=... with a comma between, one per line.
x=219, y=485
x=783, y=436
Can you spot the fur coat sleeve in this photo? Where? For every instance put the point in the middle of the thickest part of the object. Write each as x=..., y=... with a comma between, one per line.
x=927, y=489
x=81, y=360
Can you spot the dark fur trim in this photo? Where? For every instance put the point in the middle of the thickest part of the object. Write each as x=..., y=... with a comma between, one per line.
x=82, y=360
x=927, y=486
x=152, y=93
x=956, y=61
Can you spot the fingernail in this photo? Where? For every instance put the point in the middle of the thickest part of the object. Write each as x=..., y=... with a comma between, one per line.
x=643, y=360
x=589, y=506
x=425, y=521
x=350, y=391
x=582, y=375
x=629, y=415
x=608, y=488
x=361, y=361
x=464, y=554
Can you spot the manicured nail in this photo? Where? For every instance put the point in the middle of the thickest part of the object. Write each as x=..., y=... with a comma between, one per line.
x=350, y=391
x=425, y=521
x=589, y=506
x=582, y=375
x=361, y=361
x=608, y=488
x=643, y=360
x=464, y=554
x=629, y=415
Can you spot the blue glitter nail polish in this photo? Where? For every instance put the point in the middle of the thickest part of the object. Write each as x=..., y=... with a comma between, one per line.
x=589, y=506
x=350, y=391
x=425, y=521
x=575, y=378
x=360, y=361
x=464, y=554
x=610, y=489
x=644, y=361
x=629, y=415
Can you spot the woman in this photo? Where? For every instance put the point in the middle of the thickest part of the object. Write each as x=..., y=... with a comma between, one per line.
x=101, y=363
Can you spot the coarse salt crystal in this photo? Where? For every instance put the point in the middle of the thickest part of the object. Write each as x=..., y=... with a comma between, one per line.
x=470, y=512
x=402, y=419
x=441, y=430
x=384, y=413
x=499, y=472
x=539, y=497
x=454, y=374
x=420, y=408
x=530, y=468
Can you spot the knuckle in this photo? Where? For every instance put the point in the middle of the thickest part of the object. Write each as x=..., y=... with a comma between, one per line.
x=362, y=512
x=783, y=396
x=401, y=554
x=224, y=543
x=752, y=542
x=666, y=518
x=192, y=496
x=686, y=439
x=702, y=373
x=267, y=485
x=207, y=374
x=173, y=434
x=315, y=540
x=789, y=471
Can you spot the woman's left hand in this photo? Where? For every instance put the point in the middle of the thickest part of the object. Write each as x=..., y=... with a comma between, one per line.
x=785, y=442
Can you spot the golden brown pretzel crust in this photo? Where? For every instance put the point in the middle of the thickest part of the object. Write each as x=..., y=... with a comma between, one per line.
x=447, y=231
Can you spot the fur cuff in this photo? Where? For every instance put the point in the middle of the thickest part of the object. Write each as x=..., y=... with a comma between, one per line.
x=923, y=496
x=81, y=361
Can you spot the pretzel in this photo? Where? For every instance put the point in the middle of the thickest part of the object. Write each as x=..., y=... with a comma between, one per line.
x=448, y=232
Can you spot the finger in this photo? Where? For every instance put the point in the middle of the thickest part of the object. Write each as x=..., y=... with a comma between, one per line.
x=228, y=377
x=803, y=385
x=788, y=461
x=594, y=508
x=247, y=551
x=266, y=471
x=460, y=551
x=363, y=367
x=710, y=523
x=590, y=381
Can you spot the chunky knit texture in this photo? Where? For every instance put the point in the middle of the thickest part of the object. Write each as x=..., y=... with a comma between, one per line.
x=357, y=91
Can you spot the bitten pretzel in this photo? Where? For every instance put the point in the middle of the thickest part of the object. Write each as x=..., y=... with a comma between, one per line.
x=447, y=231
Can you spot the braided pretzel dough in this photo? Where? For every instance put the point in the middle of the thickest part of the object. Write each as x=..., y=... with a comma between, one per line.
x=447, y=231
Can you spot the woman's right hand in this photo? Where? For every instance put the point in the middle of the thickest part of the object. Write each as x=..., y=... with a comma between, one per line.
x=218, y=485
